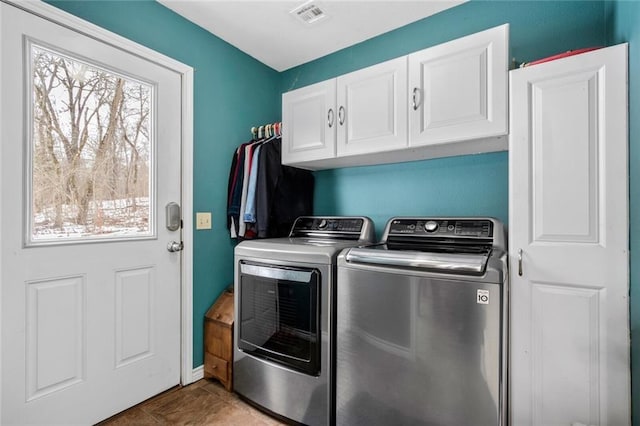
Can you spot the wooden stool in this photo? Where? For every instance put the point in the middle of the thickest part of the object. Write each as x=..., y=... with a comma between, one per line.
x=218, y=340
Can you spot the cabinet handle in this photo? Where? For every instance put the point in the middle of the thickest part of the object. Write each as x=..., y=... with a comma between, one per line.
x=330, y=117
x=416, y=101
x=520, y=262
x=341, y=115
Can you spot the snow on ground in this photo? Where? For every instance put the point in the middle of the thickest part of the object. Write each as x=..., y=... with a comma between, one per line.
x=107, y=219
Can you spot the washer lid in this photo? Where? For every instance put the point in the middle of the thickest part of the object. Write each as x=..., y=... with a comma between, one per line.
x=445, y=262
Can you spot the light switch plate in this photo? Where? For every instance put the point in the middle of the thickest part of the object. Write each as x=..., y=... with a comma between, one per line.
x=203, y=220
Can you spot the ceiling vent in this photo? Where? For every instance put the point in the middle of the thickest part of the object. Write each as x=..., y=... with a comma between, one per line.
x=308, y=13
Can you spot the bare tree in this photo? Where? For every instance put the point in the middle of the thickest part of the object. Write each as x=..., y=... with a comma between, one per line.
x=89, y=129
x=137, y=116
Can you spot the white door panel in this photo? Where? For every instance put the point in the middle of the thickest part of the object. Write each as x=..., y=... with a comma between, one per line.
x=372, y=109
x=569, y=216
x=310, y=118
x=565, y=190
x=459, y=89
x=90, y=318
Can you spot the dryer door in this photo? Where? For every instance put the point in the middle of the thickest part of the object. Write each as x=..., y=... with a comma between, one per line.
x=279, y=315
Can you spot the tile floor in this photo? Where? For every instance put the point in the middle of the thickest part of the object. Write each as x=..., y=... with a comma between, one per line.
x=204, y=402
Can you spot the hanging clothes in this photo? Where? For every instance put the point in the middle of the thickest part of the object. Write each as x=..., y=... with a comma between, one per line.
x=264, y=197
x=248, y=153
x=250, y=210
x=234, y=197
x=233, y=175
x=282, y=193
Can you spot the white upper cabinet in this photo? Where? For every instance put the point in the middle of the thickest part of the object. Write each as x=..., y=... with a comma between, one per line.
x=372, y=109
x=369, y=115
x=459, y=89
x=449, y=99
x=309, y=117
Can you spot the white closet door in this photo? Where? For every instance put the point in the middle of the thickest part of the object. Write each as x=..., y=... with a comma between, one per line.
x=569, y=216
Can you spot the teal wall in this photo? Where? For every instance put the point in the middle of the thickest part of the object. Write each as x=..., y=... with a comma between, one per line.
x=474, y=185
x=232, y=93
x=624, y=26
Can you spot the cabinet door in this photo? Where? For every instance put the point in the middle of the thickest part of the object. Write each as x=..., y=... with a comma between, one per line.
x=372, y=109
x=568, y=221
x=309, y=120
x=459, y=89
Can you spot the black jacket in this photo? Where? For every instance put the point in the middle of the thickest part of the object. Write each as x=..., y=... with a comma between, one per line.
x=282, y=193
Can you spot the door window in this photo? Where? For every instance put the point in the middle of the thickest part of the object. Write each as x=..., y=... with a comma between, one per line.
x=90, y=151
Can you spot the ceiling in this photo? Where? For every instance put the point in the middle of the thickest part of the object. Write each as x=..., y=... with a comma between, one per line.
x=267, y=31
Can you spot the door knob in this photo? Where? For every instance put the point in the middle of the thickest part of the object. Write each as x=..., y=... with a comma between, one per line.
x=175, y=246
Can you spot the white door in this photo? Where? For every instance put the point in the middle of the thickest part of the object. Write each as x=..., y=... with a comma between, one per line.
x=309, y=123
x=569, y=216
x=459, y=89
x=372, y=109
x=90, y=156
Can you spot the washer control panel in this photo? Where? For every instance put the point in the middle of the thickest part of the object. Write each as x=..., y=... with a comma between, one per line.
x=474, y=228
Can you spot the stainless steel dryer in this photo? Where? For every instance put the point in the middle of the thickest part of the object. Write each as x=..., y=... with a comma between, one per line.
x=422, y=325
x=284, y=292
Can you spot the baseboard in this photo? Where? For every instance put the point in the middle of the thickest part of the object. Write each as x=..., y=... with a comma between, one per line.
x=198, y=373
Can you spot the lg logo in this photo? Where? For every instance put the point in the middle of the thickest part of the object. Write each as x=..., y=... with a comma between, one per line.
x=482, y=297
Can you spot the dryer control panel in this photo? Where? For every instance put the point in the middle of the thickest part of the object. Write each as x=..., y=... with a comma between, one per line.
x=356, y=228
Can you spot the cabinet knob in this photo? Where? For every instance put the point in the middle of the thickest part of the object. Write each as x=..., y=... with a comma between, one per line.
x=416, y=101
x=330, y=117
x=341, y=115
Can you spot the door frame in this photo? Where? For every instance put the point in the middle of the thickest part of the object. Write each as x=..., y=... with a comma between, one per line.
x=65, y=19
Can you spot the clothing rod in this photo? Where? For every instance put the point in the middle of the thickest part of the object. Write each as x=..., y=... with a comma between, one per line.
x=267, y=130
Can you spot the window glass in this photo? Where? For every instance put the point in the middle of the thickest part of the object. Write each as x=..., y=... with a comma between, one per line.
x=90, y=151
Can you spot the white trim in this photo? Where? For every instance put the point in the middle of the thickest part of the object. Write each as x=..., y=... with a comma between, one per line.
x=198, y=373
x=88, y=29
x=1, y=257
x=186, y=374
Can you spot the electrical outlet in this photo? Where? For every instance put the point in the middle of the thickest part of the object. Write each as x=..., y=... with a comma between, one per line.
x=203, y=220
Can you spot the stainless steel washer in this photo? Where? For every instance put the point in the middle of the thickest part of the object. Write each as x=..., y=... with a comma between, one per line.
x=422, y=325
x=284, y=291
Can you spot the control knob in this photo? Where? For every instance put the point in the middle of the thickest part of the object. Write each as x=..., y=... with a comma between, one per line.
x=431, y=226
x=322, y=224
